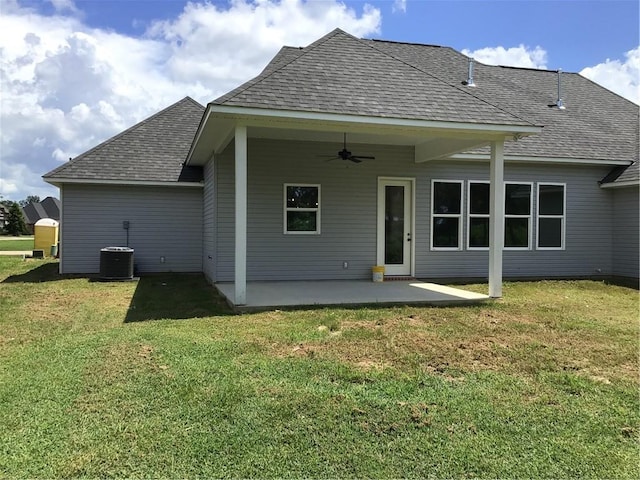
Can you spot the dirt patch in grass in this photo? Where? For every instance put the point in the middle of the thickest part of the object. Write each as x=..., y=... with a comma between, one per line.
x=37, y=312
x=453, y=342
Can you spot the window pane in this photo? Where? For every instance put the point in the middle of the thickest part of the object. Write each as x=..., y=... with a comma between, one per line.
x=517, y=199
x=301, y=221
x=516, y=232
x=479, y=232
x=302, y=197
x=446, y=197
x=479, y=198
x=551, y=200
x=445, y=232
x=550, y=232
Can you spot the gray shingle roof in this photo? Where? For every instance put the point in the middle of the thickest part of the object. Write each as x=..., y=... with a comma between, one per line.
x=342, y=74
x=152, y=150
x=597, y=124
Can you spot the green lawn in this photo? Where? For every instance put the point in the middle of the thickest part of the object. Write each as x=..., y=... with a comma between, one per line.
x=157, y=378
x=22, y=244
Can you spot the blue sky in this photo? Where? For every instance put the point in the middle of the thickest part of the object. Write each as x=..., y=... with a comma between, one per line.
x=75, y=73
x=576, y=33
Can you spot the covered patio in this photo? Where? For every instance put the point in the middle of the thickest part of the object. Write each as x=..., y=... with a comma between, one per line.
x=396, y=107
x=290, y=294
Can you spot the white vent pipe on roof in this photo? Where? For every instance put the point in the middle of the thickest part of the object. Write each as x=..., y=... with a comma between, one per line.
x=470, y=82
x=560, y=102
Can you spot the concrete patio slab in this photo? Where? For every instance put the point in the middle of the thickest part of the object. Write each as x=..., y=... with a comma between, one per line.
x=290, y=294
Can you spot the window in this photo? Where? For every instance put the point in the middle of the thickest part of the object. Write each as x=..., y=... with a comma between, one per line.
x=550, y=222
x=446, y=214
x=478, y=215
x=301, y=209
x=517, y=218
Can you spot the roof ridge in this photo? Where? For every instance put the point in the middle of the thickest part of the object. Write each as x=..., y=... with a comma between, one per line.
x=457, y=87
x=109, y=140
x=264, y=75
x=382, y=40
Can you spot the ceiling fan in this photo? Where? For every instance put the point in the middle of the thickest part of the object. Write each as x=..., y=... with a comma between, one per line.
x=345, y=154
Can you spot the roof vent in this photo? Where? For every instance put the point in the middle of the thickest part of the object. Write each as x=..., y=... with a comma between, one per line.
x=560, y=102
x=470, y=82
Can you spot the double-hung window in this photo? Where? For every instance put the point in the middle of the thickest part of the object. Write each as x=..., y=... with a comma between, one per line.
x=301, y=209
x=446, y=214
x=550, y=216
x=478, y=215
x=517, y=218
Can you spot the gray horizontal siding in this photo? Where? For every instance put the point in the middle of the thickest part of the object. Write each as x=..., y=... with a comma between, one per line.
x=626, y=230
x=588, y=226
x=349, y=209
x=163, y=222
x=348, y=212
x=209, y=233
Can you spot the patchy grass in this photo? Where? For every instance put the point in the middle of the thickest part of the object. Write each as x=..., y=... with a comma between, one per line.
x=158, y=379
x=22, y=244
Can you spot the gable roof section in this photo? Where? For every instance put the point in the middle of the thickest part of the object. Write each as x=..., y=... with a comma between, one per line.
x=47, y=208
x=33, y=212
x=152, y=151
x=596, y=125
x=51, y=205
x=344, y=75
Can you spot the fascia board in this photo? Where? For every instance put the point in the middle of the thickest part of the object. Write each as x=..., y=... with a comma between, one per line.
x=57, y=182
x=246, y=114
x=529, y=159
x=626, y=183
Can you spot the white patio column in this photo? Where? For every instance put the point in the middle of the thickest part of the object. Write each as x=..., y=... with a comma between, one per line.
x=241, y=216
x=496, y=218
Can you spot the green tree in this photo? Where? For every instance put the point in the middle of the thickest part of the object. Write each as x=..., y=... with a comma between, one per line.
x=28, y=200
x=15, y=221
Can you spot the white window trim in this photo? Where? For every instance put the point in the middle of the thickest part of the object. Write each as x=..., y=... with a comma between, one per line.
x=287, y=209
x=562, y=217
x=459, y=216
x=470, y=215
x=529, y=217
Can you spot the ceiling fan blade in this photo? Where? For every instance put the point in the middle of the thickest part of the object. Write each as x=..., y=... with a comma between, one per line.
x=355, y=160
x=364, y=157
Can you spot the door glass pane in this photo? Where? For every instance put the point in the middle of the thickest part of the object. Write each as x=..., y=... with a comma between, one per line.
x=394, y=225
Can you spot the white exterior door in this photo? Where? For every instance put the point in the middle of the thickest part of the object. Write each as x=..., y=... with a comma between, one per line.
x=395, y=225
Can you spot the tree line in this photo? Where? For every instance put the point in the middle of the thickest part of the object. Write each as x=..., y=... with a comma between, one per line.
x=14, y=223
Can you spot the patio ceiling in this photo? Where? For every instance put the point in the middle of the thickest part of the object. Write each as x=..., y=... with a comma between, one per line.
x=432, y=139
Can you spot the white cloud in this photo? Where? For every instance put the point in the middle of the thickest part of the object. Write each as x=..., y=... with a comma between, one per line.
x=64, y=5
x=399, y=6
x=66, y=86
x=520, y=56
x=622, y=77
